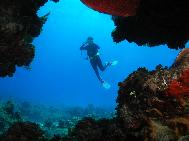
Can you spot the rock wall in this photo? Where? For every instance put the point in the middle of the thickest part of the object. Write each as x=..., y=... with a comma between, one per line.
x=19, y=24
x=157, y=22
x=148, y=99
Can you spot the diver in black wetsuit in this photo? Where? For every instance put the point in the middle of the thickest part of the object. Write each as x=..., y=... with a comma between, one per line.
x=93, y=56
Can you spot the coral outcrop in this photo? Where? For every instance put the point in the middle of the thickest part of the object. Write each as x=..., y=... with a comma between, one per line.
x=156, y=100
x=8, y=115
x=180, y=86
x=19, y=24
x=157, y=22
x=24, y=131
x=54, y=121
x=90, y=129
x=147, y=22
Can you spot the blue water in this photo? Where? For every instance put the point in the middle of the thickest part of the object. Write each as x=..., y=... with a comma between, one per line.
x=60, y=75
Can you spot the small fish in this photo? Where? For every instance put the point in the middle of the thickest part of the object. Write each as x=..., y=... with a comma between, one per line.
x=114, y=7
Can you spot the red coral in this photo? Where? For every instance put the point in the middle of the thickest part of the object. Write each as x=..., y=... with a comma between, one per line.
x=180, y=86
x=114, y=7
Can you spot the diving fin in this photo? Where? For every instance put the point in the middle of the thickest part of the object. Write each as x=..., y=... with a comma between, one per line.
x=106, y=85
x=113, y=63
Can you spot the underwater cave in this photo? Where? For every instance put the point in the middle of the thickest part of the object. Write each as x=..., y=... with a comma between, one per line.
x=50, y=87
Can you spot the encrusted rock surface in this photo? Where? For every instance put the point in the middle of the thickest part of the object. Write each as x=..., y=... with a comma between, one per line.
x=145, y=100
x=19, y=24
x=157, y=22
x=23, y=131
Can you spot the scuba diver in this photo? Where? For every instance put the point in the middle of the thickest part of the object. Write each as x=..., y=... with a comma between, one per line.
x=94, y=58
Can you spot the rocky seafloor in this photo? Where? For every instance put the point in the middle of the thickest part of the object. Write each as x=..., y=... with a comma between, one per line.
x=28, y=119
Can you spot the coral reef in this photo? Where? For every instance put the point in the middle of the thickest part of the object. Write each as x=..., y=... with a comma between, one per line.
x=114, y=7
x=55, y=122
x=23, y=131
x=151, y=99
x=89, y=129
x=8, y=115
x=19, y=24
x=180, y=86
x=152, y=105
x=147, y=22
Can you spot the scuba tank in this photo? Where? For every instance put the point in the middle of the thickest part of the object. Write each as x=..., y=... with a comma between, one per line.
x=85, y=58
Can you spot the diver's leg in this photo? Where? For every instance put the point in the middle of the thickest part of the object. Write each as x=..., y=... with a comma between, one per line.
x=94, y=65
x=100, y=65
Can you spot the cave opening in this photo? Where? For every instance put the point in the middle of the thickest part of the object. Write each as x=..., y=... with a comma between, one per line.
x=59, y=75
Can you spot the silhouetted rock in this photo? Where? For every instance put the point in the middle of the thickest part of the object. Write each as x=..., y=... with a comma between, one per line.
x=19, y=24
x=157, y=22
x=25, y=131
x=89, y=129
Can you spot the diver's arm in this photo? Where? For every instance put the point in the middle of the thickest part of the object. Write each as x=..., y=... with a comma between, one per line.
x=83, y=47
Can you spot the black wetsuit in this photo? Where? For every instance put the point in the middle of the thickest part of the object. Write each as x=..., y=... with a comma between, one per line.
x=92, y=52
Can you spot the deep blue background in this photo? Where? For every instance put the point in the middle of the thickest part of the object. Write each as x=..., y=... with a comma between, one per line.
x=60, y=75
